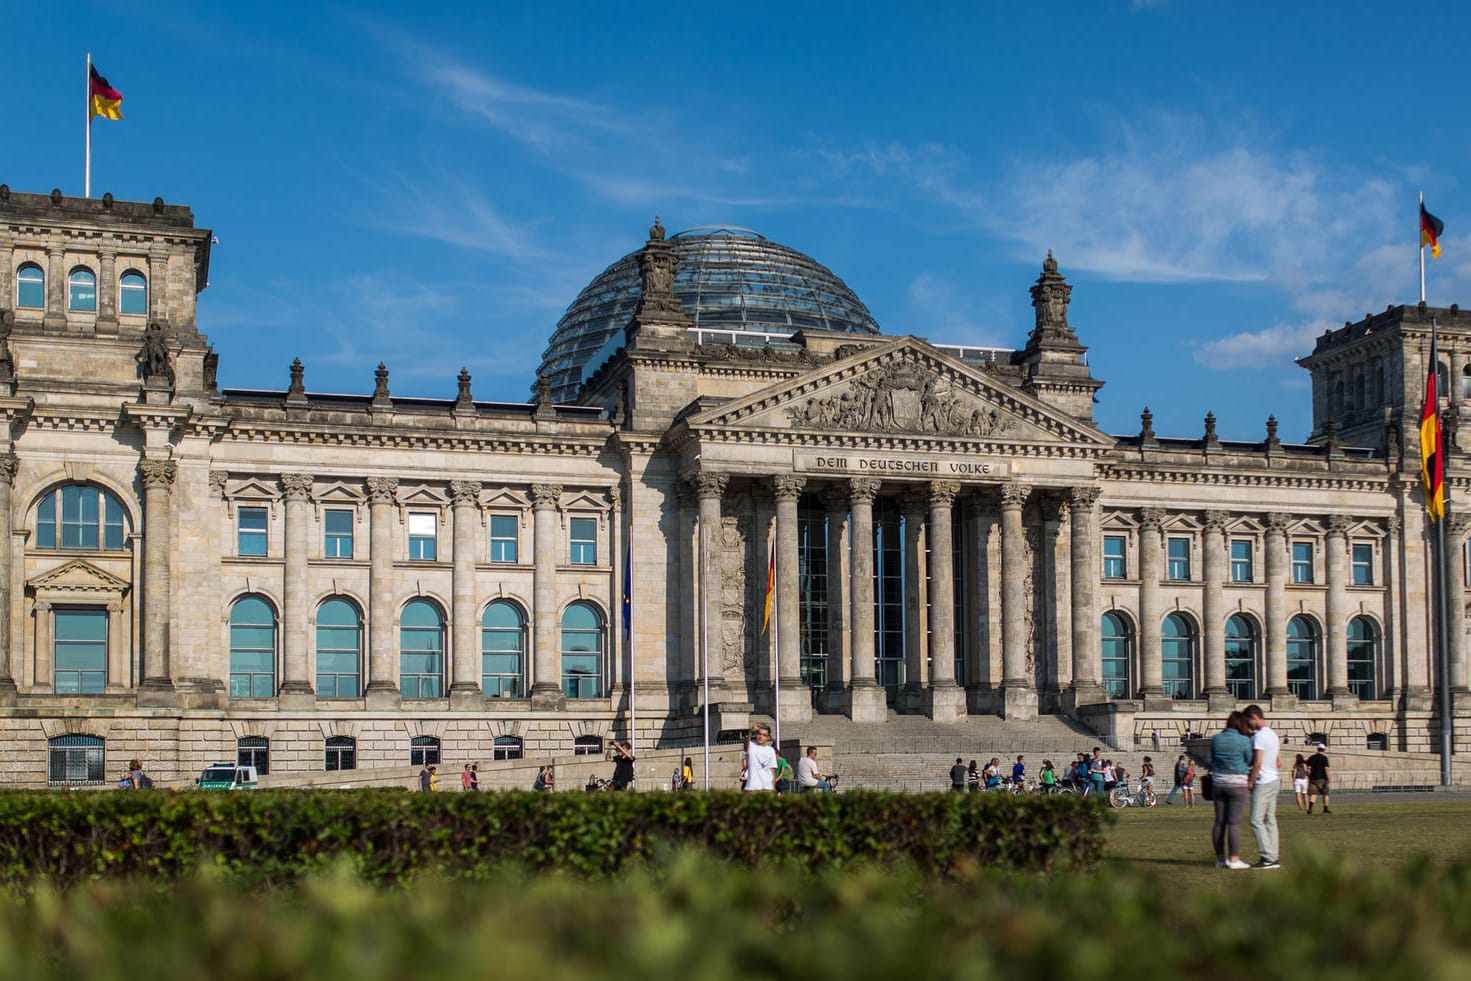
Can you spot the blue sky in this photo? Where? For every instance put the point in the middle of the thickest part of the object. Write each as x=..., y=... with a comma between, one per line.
x=1220, y=182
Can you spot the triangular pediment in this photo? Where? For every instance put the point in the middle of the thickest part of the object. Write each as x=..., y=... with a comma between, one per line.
x=905, y=388
x=254, y=489
x=341, y=492
x=422, y=496
x=585, y=501
x=504, y=499
x=79, y=576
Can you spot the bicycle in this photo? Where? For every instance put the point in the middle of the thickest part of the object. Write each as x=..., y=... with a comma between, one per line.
x=1142, y=797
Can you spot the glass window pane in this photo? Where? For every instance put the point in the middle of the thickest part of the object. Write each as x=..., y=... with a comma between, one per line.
x=421, y=524
x=30, y=290
x=132, y=294
x=82, y=291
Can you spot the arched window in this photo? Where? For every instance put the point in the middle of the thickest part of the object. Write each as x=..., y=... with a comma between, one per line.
x=254, y=751
x=587, y=746
x=582, y=651
x=1442, y=381
x=339, y=649
x=1302, y=657
x=1241, y=657
x=81, y=291
x=82, y=517
x=30, y=287
x=1466, y=382
x=1361, y=395
x=342, y=753
x=421, y=651
x=132, y=293
x=1378, y=375
x=1363, y=657
x=506, y=748
x=1177, y=656
x=502, y=650
x=1118, y=651
x=252, y=648
x=424, y=751
x=76, y=759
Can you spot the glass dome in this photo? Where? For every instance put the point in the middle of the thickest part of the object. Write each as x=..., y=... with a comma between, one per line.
x=729, y=280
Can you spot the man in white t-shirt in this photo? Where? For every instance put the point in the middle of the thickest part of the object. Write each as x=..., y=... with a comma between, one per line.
x=1265, y=784
x=809, y=777
x=761, y=762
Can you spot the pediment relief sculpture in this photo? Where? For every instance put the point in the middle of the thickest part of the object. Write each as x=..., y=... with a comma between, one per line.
x=80, y=577
x=902, y=397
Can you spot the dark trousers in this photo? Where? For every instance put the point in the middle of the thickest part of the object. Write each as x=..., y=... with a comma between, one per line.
x=1231, y=803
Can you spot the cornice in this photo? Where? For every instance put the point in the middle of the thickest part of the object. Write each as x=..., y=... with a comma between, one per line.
x=1236, y=478
x=400, y=438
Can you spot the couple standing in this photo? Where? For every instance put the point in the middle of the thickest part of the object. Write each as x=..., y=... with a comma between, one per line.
x=1245, y=757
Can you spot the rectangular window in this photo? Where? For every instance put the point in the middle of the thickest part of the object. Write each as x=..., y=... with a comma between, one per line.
x=1179, y=558
x=584, y=541
x=1113, y=557
x=252, y=531
x=1363, y=563
x=80, y=651
x=338, y=531
x=1302, y=563
x=1241, y=570
x=422, y=535
x=503, y=528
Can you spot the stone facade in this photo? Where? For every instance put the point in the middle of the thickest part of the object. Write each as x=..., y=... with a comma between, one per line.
x=189, y=567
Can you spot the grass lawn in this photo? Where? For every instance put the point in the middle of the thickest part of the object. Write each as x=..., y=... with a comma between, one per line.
x=1174, y=843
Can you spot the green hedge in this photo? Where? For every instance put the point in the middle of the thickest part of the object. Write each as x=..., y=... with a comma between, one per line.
x=271, y=836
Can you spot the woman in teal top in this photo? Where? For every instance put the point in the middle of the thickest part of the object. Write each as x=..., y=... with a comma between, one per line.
x=1231, y=757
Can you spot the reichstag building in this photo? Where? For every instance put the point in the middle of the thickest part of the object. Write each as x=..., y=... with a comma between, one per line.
x=314, y=582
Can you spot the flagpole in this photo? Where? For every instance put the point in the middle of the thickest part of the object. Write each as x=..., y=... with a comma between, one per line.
x=1442, y=572
x=705, y=652
x=628, y=639
x=775, y=651
x=87, y=113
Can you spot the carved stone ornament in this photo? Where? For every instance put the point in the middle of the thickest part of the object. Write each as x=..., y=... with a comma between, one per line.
x=1392, y=524
x=1050, y=298
x=546, y=495
x=217, y=481
x=157, y=473
x=1151, y=519
x=297, y=390
x=1460, y=526
x=1084, y=497
x=902, y=396
x=464, y=493
x=787, y=486
x=1278, y=522
x=710, y=483
x=212, y=371
x=9, y=463
x=657, y=262
x=383, y=490
x=1338, y=524
x=1216, y=521
x=463, y=399
x=862, y=490
x=381, y=395
x=153, y=360
x=1014, y=495
x=297, y=486
x=943, y=493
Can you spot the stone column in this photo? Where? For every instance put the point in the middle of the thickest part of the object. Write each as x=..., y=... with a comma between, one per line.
x=296, y=688
x=1087, y=658
x=912, y=504
x=690, y=621
x=866, y=700
x=709, y=488
x=1151, y=554
x=1275, y=545
x=1394, y=619
x=839, y=588
x=45, y=651
x=946, y=699
x=157, y=687
x=1213, y=610
x=465, y=691
x=107, y=292
x=55, y=315
x=546, y=667
x=796, y=700
x=1018, y=693
x=1335, y=544
x=383, y=688
x=1458, y=527
x=8, y=464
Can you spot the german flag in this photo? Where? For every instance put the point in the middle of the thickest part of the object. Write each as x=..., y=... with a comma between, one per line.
x=1432, y=459
x=770, y=588
x=1431, y=228
x=107, y=101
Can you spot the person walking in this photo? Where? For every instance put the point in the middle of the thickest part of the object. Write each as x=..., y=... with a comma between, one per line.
x=761, y=762
x=433, y=779
x=424, y=779
x=1180, y=769
x=1019, y=772
x=1231, y=758
x=957, y=775
x=474, y=776
x=687, y=775
x=1097, y=772
x=1300, y=782
x=1265, y=784
x=1189, y=785
x=1318, y=779
x=467, y=779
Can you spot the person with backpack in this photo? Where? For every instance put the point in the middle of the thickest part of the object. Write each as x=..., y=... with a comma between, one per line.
x=141, y=780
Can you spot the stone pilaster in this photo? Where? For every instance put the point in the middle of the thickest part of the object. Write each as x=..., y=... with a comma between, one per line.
x=945, y=698
x=107, y=292
x=866, y=700
x=157, y=687
x=464, y=691
x=1275, y=652
x=710, y=488
x=1213, y=610
x=296, y=688
x=1018, y=692
x=1457, y=528
x=383, y=687
x=839, y=590
x=1335, y=547
x=8, y=464
x=796, y=702
x=1151, y=613
x=1087, y=658
x=546, y=686
x=912, y=505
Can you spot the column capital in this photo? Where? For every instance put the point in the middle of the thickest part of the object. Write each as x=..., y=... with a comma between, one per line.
x=1216, y=520
x=1337, y=525
x=862, y=490
x=1392, y=524
x=383, y=490
x=546, y=495
x=1084, y=497
x=943, y=493
x=1151, y=519
x=788, y=486
x=710, y=483
x=297, y=486
x=217, y=481
x=464, y=493
x=1014, y=495
x=9, y=463
x=1459, y=525
x=158, y=473
x=1277, y=521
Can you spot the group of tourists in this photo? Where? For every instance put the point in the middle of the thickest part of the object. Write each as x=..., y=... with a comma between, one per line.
x=763, y=768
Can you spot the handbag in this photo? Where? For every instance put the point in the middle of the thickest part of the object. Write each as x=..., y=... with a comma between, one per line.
x=1207, y=785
